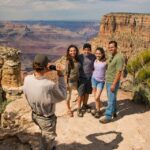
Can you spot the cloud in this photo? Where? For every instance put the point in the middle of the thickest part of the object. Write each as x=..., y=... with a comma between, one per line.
x=68, y=9
x=40, y=4
x=53, y=5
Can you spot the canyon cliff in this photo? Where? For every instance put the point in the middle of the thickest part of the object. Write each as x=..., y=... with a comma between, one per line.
x=131, y=31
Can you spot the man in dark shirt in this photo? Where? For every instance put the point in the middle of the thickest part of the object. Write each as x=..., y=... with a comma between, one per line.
x=86, y=66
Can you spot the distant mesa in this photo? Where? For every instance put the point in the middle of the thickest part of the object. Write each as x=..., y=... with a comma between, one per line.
x=130, y=30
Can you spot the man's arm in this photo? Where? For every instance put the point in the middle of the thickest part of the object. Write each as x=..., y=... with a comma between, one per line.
x=116, y=80
x=59, y=91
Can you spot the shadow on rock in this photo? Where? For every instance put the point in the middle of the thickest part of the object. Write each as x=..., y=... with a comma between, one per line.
x=95, y=143
x=128, y=107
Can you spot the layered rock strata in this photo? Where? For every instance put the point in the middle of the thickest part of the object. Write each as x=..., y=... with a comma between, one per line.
x=131, y=31
x=10, y=70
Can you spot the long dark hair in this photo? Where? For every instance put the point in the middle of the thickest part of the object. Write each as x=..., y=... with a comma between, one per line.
x=103, y=58
x=69, y=58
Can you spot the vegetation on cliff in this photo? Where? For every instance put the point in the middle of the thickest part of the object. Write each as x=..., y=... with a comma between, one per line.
x=139, y=68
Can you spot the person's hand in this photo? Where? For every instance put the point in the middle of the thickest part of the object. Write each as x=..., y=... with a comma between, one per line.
x=59, y=69
x=112, y=88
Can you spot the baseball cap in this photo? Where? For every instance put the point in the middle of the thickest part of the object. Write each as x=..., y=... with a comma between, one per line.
x=41, y=59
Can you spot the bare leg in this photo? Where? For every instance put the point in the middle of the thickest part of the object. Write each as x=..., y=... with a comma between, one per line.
x=70, y=113
x=86, y=107
x=79, y=111
x=80, y=100
x=85, y=100
x=97, y=99
x=68, y=99
x=94, y=92
x=97, y=103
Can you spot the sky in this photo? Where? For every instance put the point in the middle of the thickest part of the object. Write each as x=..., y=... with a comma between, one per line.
x=68, y=9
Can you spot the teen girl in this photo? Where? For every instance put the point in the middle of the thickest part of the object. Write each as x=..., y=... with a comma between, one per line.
x=98, y=78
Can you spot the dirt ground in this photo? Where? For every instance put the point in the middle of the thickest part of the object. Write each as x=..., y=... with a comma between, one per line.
x=129, y=131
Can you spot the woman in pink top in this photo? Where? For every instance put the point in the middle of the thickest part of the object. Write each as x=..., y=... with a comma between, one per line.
x=98, y=78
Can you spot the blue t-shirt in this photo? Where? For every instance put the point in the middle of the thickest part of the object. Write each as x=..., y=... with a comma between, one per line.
x=86, y=65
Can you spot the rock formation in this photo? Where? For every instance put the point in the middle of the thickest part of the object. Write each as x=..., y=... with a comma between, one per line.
x=131, y=31
x=10, y=70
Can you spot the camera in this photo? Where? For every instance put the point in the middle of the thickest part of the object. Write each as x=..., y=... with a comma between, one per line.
x=52, y=67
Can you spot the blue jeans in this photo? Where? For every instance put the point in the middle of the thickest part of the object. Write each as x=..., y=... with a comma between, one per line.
x=112, y=101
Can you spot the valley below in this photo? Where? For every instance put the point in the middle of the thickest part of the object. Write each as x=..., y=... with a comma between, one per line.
x=49, y=37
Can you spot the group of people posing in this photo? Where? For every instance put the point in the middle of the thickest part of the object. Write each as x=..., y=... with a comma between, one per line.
x=85, y=73
x=88, y=72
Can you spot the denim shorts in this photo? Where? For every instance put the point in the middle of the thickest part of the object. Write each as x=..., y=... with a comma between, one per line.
x=97, y=84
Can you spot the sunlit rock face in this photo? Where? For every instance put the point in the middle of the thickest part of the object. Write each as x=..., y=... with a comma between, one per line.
x=131, y=31
x=10, y=70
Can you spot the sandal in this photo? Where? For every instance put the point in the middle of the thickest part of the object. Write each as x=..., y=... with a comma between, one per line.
x=86, y=108
x=79, y=113
x=70, y=113
x=97, y=114
x=93, y=112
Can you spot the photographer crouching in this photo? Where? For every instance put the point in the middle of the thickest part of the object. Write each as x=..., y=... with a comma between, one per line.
x=42, y=95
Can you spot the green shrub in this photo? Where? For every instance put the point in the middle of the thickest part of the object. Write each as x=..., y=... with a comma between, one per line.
x=133, y=66
x=142, y=94
x=145, y=56
x=139, y=67
x=143, y=74
x=138, y=62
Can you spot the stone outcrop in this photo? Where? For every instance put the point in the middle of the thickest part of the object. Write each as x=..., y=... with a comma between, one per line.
x=131, y=31
x=17, y=128
x=10, y=70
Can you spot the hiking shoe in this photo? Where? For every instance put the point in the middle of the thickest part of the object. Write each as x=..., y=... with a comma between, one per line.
x=70, y=113
x=53, y=148
x=97, y=114
x=80, y=113
x=104, y=120
x=83, y=109
x=115, y=115
x=93, y=112
x=86, y=108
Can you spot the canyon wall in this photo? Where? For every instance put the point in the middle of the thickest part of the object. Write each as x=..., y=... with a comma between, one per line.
x=131, y=31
